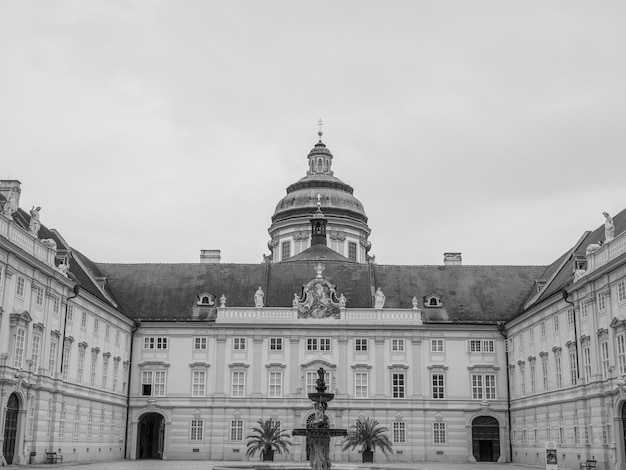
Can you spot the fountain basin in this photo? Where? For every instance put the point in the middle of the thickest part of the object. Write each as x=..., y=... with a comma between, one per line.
x=319, y=432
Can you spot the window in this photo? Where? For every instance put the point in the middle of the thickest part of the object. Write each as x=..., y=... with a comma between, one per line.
x=439, y=433
x=101, y=424
x=531, y=334
x=238, y=383
x=397, y=345
x=555, y=322
x=621, y=353
x=81, y=364
x=198, y=383
x=360, y=344
x=197, y=425
x=522, y=379
x=533, y=377
x=153, y=383
x=107, y=333
x=275, y=380
x=70, y=314
x=117, y=340
x=105, y=371
x=20, y=286
x=49, y=419
x=311, y=381
x=399, y=432
x=286, y=251
x=604, y=358
x=116, y=367
x=62, y=418
x=544, y=372
x=318, y=344
x=94, y=365
x=438, y=386
x=38, y=296
x=602, y=302
x=56, y=305
x=76, y=431
x=512, y=379
x=542, y=329
x=361, y=382
x=239, y=344
x=486, y=346
x=89, y=423
x=20, y=343
x=67, y=351
x=35, y=351
x=276, y=344
x=570, y=317
x=558, y=370
x=584, y=313
x=200, y=343
x=573, y=368
x=483, y=386
x=83, y=321
x=96, y=326
x=621, y=291
x=352, y=251
x=587, y=363
x=236, y=430
x=52, y=363
x=155, y=342
x=397, y=385
x=436, y=345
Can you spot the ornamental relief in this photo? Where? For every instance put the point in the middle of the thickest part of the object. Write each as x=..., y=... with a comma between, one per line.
x=319, y=298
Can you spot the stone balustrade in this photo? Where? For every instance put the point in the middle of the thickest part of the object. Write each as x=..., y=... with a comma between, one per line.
x=607, y=253
x=288, y=314
x=26, y=241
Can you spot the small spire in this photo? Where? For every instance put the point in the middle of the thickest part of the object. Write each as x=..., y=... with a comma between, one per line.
x=319, y=132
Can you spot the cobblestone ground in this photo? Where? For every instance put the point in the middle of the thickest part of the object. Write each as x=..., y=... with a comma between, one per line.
x=210, y=465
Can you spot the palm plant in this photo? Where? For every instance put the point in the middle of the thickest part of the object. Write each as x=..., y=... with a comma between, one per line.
x=369, y=435
x=267, y=438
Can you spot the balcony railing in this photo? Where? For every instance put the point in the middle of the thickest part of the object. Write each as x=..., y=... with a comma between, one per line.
x=26, y=241
x=287, y=314
x=607, y=253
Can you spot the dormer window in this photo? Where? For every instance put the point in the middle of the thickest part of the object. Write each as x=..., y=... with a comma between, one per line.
x=205, y=299
x=432, y=300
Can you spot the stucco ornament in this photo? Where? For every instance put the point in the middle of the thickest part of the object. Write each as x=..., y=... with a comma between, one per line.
x=63, y=269
x=319, y=298
x=258, y=297
x=379, y=298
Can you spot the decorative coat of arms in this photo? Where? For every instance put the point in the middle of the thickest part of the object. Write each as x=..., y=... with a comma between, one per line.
x=319, y=298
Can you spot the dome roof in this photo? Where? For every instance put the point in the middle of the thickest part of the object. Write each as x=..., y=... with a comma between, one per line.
x=335, y=196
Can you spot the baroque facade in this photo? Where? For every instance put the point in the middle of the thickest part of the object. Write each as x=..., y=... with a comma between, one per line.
x=179, y=361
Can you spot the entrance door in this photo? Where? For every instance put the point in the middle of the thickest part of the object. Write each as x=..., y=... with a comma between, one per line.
x=485, y=439
x=150, y=436
x=10, y=428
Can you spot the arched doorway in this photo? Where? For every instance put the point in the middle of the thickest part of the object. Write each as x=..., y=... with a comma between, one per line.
x=150, y=436
x=486, y=439
x=10, y=428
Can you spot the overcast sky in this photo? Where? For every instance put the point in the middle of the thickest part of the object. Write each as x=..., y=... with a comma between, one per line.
x=148, y=130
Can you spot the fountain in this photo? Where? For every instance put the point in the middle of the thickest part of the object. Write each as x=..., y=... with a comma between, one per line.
x=319, y=434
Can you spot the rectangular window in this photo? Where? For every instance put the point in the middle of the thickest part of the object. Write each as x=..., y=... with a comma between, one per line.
x=475, y=345
x=200, y=343
x=101, y=424
x=587, y=363
x=324, y=344
x=584, y=313
x=352, y=251
x=39, y=296
x=318, y=344
x=439, y=433
x=56, y=305
x=438, y=386
x=573, y=368
x=238, y=383
x=512, y=379
x=159, y=383
x=117, y=340
x=83, y=321
x=558, y=371
x=105, y=371
x=107, y=333
x=477, y=387
x=276, y=344
x=155, y=342
x=286, y=251
x=533, y=377
x=116, y=367
x=76, y=431
x=621, y=291
x=397, y=345
x=436, y=345
x=311, y=381
x=601, y=302
x=153, y=383
x=198, y=383
x=96, y=326
x=236, y=430
x=555, y=322
x=522, y=379
x=81, y=365
x=89, y=423
x=94, y=366
x=62, y=418
x=361, y=382
x=20, y=344
x=399, y=432
x=604, y=357
x=620, y=341
x=275, y=384
x=70, y=314
x=360, y=344
x=35, y=351
x=52, y=363
x=239, y=344
x=542, y=329
x=67, y=351
x=397, y=385
x=20, y=286
x=531, y=334
x=197, y=425
x=570, y=317
x=544, y=372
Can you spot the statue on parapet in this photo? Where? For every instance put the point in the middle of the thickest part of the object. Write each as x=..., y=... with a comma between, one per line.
x=35, y=225
x=609, y=228
x=258, y=297
x=379, y=298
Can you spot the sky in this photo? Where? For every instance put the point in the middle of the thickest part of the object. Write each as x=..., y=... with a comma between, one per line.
x=149, y=130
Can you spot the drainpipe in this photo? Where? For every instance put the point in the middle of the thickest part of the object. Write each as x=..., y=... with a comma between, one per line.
x=508, y=387
x=127, y=391
x=565, y=296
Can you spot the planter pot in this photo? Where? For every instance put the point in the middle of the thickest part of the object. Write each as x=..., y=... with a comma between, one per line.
x=268, y=455
x=368, y=456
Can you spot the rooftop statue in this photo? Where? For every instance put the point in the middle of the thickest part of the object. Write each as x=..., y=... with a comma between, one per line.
x=379, y=299
x=258, y=297
x=609, y=228
x=35, y=225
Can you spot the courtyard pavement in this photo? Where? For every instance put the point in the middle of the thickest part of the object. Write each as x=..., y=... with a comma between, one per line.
x=210, y=465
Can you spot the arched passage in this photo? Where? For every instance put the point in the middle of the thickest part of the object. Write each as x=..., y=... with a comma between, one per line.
x=10, y=428
x=485, y=439
x=150, y=436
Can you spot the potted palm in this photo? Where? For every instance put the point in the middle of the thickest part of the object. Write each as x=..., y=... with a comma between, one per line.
x=369, y=435
x=267, y=438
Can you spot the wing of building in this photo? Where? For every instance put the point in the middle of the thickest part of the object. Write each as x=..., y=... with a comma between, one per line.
x=215, y=347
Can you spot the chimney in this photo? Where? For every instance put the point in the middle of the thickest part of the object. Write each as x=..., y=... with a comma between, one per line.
x=452, y=259
x=210, y=256
x=11, y=191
